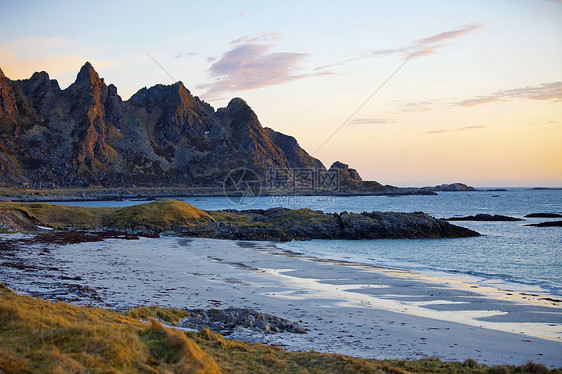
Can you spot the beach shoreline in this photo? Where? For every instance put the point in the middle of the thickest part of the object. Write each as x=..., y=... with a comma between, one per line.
x=353, y=309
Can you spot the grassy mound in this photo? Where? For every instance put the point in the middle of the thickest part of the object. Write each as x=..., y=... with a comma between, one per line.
x=160, y=215
x=41, y=336
x=59, y=216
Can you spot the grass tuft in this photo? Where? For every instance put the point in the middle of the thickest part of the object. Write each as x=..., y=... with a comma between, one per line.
x=168, y=315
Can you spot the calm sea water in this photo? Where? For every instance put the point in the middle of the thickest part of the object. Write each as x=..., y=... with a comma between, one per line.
x=509, y=255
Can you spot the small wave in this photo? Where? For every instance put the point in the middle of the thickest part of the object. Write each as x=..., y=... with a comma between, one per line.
x=548, y=287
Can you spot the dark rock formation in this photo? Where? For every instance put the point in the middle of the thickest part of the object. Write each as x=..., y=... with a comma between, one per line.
x=544, y=215
x=7, y=97
x=484, y=217
x=86, y=135
x=225, y=321
x=42, y=92
x=547, y=224
x=281, y=224
x=294, y=153
x=303, y=224
x=348, y=177
x=452, y=187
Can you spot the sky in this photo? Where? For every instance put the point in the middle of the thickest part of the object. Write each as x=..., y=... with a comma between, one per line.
x=409, y=93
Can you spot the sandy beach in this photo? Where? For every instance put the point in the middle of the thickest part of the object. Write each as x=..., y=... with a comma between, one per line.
x=346, y=308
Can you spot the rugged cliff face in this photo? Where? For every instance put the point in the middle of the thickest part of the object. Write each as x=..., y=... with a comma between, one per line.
x=86, y=135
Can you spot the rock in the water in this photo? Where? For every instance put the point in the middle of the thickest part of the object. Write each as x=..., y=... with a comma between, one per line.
x=544, y=215
x=547, y=224
x=484, y=217
x=453, y=187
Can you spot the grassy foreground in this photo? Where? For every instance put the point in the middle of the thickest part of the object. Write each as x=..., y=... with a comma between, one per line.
x=47, y=337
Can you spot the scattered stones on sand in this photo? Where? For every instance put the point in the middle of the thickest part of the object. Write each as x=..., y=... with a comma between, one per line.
x=225, y=321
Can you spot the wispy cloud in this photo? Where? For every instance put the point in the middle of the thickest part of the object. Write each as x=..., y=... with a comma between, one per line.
x=449, y=35
x=251, y=65
x=422, y=47
x=455, y=130
x=418, y=106
x=323, y=67
x=371, y=121
x=265, y=37
x=186, y=54
x=544, y=91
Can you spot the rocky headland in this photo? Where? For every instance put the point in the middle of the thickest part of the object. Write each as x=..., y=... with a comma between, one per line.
x=180, y=218
x=86, y=137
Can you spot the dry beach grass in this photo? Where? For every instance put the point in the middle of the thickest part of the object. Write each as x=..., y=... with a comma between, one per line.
x=42, y=336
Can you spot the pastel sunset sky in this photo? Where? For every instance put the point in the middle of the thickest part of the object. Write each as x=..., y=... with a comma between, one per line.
x=409, y=93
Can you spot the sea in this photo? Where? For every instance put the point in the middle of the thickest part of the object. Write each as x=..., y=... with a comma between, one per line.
x=508, y=255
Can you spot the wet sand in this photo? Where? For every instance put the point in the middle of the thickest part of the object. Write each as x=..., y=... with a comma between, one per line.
x=346, y=308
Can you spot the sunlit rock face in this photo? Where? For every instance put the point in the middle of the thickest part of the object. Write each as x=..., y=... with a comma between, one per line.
x=86, y=135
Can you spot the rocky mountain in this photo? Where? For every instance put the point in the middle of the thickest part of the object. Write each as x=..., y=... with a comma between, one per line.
x=86, y=135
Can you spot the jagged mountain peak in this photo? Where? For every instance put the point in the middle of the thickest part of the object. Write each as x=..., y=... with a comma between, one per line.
x=237, y=103
x=339, y=165
x=2, y=74
x=347, y=175
x=163, y=135
x=161, y=92
x=87, y=74
x=41, y=91
x=40, y=75
x=41, y=78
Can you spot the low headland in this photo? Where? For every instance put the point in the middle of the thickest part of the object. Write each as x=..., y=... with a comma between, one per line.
x=177, y=217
